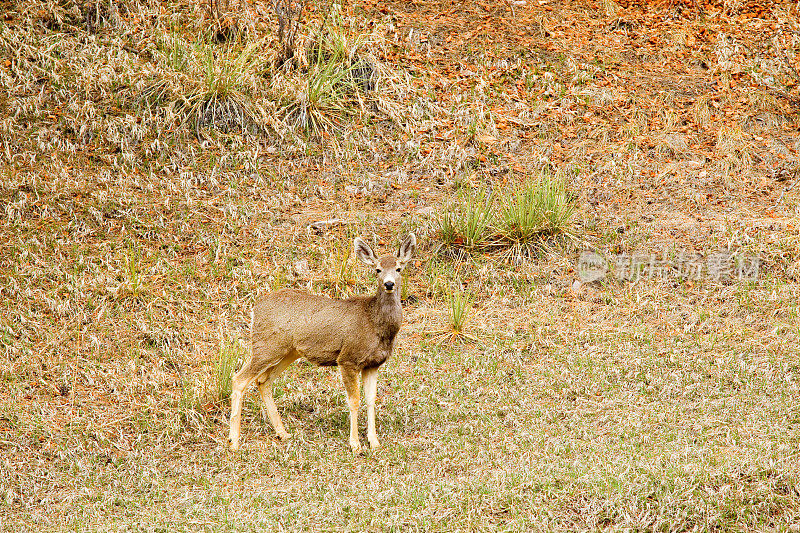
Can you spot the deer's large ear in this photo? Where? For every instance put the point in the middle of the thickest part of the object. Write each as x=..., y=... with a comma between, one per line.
x=364, y=252
x=406, y=251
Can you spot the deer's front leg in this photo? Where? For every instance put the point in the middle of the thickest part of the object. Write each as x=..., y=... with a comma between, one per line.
x=350, y=380
x=370, y=380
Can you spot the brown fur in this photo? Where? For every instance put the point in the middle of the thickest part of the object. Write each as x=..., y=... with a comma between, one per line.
x=356, y=334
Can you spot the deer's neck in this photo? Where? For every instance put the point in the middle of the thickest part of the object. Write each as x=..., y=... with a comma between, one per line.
x=387, y=312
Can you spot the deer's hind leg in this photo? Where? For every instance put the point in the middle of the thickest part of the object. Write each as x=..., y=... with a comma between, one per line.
x=369, y=377
x=350, y=381
x=241, y=380
x=267, y=355
x=265, y=381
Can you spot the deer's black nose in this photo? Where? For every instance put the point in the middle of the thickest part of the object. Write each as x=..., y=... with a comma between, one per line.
x=389, y=285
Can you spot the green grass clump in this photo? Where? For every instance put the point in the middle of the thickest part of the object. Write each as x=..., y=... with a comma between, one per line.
x=324, y=101
x=334, y=85
x=460, y=302
x=230, y=351
x=229, y=86
x=521, y=215
x=535, y=209
x=469, y=222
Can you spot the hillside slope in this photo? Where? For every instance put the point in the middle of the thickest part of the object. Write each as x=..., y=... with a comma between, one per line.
x=159, y=171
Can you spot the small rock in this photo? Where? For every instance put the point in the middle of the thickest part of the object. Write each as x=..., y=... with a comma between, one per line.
x=322, y=225
x=370, y=188
x=300, y=269
x=376, y=188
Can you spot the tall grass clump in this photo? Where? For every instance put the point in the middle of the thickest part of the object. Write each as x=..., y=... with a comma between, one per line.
x=535, y=209
x=481, y=219
x=230, y=86
x=323, y=103
x=468, y=222
x=460, y=303
x=224, y=87
x=336, y=82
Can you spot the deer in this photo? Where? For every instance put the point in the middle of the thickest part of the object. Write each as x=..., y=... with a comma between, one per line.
x=356, y=334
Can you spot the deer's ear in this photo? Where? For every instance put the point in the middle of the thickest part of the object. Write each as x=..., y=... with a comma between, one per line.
x=364, y=252
x=407, y=248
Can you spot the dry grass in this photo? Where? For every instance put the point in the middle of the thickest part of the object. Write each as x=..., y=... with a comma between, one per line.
x=154, y=181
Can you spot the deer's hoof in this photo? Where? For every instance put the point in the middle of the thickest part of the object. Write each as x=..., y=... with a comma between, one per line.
x=284, y=435
x=374, y=444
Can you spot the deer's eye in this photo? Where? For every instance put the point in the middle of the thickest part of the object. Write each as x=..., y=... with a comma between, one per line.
x=398, y=270
x=378, y=270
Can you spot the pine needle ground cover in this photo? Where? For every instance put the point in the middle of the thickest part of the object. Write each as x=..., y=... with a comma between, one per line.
x=161, y=166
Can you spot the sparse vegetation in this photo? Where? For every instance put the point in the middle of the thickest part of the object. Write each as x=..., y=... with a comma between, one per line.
x=460, y=301
x=532, y=210
x=469, y=221
x=536, y=208
x=161, y=168
x=231, y=353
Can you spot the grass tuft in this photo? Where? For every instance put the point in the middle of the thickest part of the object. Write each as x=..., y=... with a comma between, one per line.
x=230, y=82
x=231, y=350
x=460, y=304
x=322, y=103
x=531, y=211
x=469, y=221
x=535, y=209
x=336, y=82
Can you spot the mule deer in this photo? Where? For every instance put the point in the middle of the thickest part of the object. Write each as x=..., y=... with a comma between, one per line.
x=356, y=334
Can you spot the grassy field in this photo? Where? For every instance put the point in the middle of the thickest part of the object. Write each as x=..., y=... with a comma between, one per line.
x=159, y=170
